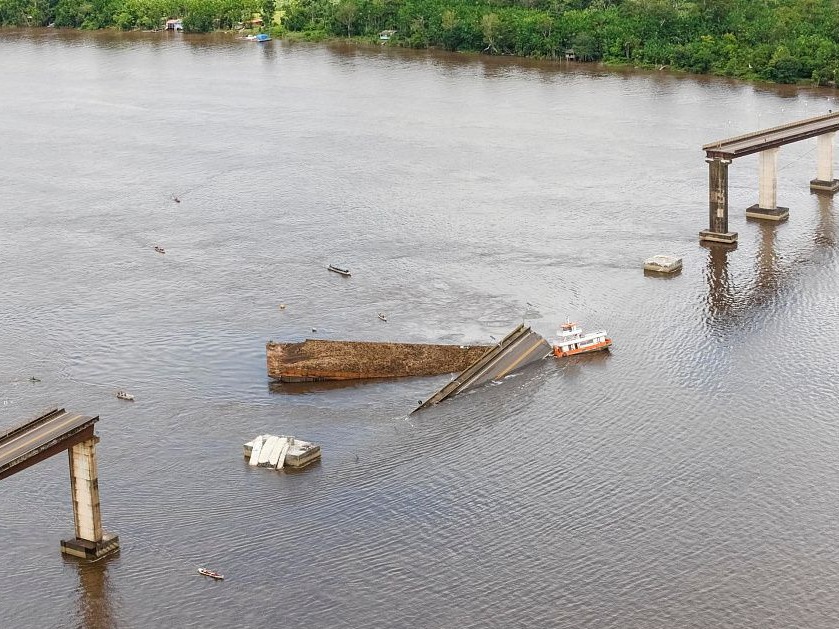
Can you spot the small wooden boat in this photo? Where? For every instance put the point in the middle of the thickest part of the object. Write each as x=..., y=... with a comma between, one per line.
x=339, y=270
x=382, y=316
x=210, y=573
x=159, y=249
x=124, y=395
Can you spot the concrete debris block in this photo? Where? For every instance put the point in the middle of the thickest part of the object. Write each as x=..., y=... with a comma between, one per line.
x=283, y=454
x=280, y=451
x=255, y=449
x=267, y=449
x=276, y=451
x=663, y=264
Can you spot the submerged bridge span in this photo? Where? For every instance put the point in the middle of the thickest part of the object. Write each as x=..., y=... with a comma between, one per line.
x=766, y=143
x=51, y=433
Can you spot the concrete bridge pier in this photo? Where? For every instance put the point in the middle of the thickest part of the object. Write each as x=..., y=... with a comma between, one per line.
x=718, y=203
x=767, y=205
x=90, y=541
x=824, y=181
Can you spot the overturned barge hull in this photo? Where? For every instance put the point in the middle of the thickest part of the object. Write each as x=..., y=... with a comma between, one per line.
x=316, y=360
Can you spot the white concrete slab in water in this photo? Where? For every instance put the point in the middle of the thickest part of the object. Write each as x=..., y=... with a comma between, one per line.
x=257, y=448
x=276, y=451
x=663, y=264
x=265, y=453
x=281, y=460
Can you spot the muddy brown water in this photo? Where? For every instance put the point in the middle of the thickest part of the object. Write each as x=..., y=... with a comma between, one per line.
x=688, y=478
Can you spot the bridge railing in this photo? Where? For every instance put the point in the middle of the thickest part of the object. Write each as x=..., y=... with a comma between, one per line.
x=756, y=134
x=46, y=415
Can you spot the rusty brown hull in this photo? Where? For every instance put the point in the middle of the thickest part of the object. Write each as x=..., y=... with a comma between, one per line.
x=314, y=360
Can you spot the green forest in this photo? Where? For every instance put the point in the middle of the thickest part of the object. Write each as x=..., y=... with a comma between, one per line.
x=784, y=41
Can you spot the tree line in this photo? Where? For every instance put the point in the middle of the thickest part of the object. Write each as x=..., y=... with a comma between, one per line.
x=784, y=41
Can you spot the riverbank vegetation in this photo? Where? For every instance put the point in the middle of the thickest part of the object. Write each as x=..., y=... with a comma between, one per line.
x=784, y=41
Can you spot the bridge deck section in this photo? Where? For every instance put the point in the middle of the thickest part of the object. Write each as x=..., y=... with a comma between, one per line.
x=771, y=138
x=520, y=347
x=42, y=437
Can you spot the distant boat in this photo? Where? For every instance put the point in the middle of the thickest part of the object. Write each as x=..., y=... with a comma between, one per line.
x=34, y=379
x=159, y=249
x=382, y=316
x=261, y=37
x=339, y=270
x=210, y=573
x=124, y=395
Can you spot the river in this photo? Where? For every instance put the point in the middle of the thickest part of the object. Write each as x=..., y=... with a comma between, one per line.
x=688, y=478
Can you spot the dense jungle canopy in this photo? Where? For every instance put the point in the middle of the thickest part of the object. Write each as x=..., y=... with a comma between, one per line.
x=784, y=41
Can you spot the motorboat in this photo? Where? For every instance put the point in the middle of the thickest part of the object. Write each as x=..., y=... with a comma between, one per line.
x=124, y=395
x=261, y=37
x=382, y=316
x=571, y=341
x=159, y=249
x=339, y=270
x=210, y=573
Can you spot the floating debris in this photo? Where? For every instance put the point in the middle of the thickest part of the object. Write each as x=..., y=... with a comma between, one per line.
x=282, y=306
x=175, y=199
x=211, y=573
x=520, y=347
x=663, y=264
x=279, y=451
x=382, y=316
x=124, y=395
x=339, y=270
x=159, y=249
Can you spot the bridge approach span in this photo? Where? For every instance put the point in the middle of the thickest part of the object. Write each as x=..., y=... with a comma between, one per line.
x=766, y=143
x=44, y=436
x=51, y=433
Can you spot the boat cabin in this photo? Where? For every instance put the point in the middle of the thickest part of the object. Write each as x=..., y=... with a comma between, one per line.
x=571, y=340
x=174, y=25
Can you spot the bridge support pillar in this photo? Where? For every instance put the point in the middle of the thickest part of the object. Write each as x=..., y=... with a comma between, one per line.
x=90, y=541
x=767, y=206
x=824, y=181
x=718, y=204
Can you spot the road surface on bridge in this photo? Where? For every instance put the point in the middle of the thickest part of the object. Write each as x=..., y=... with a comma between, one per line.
x=42, y=437
x=771, y=138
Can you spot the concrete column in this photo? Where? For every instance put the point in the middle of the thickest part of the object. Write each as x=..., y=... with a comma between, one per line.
x=767, y=206
x=824, y=181
x=90, y=542
x=768, y=179
x=718, y=203
x=84, y=486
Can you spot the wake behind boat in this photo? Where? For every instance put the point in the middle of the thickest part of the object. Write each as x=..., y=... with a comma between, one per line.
x=572, y=341
x=210, y=573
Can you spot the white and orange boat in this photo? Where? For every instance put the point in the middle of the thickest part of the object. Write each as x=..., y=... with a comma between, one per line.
x=572, y=341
